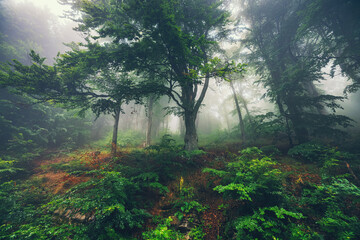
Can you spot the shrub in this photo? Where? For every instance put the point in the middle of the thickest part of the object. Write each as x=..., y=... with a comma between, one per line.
x=250, y=177
x=162, y=232
x=310, y=152
x=106, y=202
x=266, y=223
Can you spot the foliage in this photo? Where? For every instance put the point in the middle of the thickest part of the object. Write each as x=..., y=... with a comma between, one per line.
x=130, y=139
x=178, y=52
x=266, y=223
x=167, y=143
x=28, y=128
x=333, y=203
x=187, y=207
x=219, y=138
x=341, y=41
x=270, y=150
x=311, y=152
x=197, y=233
x=106, y=201
x=340, y=225
x=150, y=180
x=327, y=157
x=73, y=166
x=162, y=232
x=290, y=73
x=250, y=177
x=7, y=169
x=265, y=125
x=106, y=207
x=20, y=204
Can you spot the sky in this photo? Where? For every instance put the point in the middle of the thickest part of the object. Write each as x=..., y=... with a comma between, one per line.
x=53, y=6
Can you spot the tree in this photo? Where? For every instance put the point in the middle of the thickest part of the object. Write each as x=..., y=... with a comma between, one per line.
x=150, y=106
x=77, y=82
x=337, y=25
x=278, y=54
x=27, y=126
x=173, y=40
x=241, y=121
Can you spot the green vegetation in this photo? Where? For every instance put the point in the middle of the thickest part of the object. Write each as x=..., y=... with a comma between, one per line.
x=120, y=137
x=144, y=193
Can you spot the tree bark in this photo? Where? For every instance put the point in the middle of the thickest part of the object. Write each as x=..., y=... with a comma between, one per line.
x=288, y=130
x=247, y=111
x=149, y=122
x=115, y=131
x=301, y=132
x=191, y=138
x=241, y=122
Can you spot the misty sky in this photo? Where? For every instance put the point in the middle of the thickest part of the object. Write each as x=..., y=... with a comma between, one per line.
x=54, y=7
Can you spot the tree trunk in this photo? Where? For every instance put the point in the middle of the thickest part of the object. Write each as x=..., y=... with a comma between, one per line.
x=191, y=138
x=115, y=131
x=241, y=122
x=301, y=132
x=311, y=89
x=288, y=130
x=226, y=116
x=149, y=123
x=247, y=111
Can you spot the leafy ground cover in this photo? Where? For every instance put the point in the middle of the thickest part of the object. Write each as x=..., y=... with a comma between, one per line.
x=164, y=192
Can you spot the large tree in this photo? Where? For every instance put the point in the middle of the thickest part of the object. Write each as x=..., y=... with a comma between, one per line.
x=174, y=40
x=283, y=60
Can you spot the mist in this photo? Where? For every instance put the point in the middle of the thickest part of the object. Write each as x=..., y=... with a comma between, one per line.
x=186, y=119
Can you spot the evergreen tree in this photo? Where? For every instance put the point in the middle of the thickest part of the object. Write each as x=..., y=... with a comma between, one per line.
x=278, y=54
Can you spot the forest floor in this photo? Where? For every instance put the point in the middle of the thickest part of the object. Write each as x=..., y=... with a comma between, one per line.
x=59, y=172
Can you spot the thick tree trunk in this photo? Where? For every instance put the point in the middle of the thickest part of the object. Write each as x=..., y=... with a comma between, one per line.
x=191, y=138
x=241, y=122
x=149, y=123
x=115, y=132
x=301, y=132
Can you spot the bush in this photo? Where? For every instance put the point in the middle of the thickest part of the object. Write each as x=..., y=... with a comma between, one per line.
x=266, y=223
x=105, y=202
x=270, y=150
x=334, y=204
x=162, y=232
x=106, y=207
x=250, y=177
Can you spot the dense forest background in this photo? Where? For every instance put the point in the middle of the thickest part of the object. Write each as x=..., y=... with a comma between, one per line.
x=180, y=119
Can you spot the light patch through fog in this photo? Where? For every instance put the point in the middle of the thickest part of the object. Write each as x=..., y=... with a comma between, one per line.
x=52, y=5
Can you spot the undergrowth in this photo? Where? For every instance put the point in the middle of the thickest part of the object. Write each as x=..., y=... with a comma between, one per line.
x=248, y=195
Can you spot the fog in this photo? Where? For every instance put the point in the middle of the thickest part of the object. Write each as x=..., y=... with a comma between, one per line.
x=179, y=119
x=40, y=25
